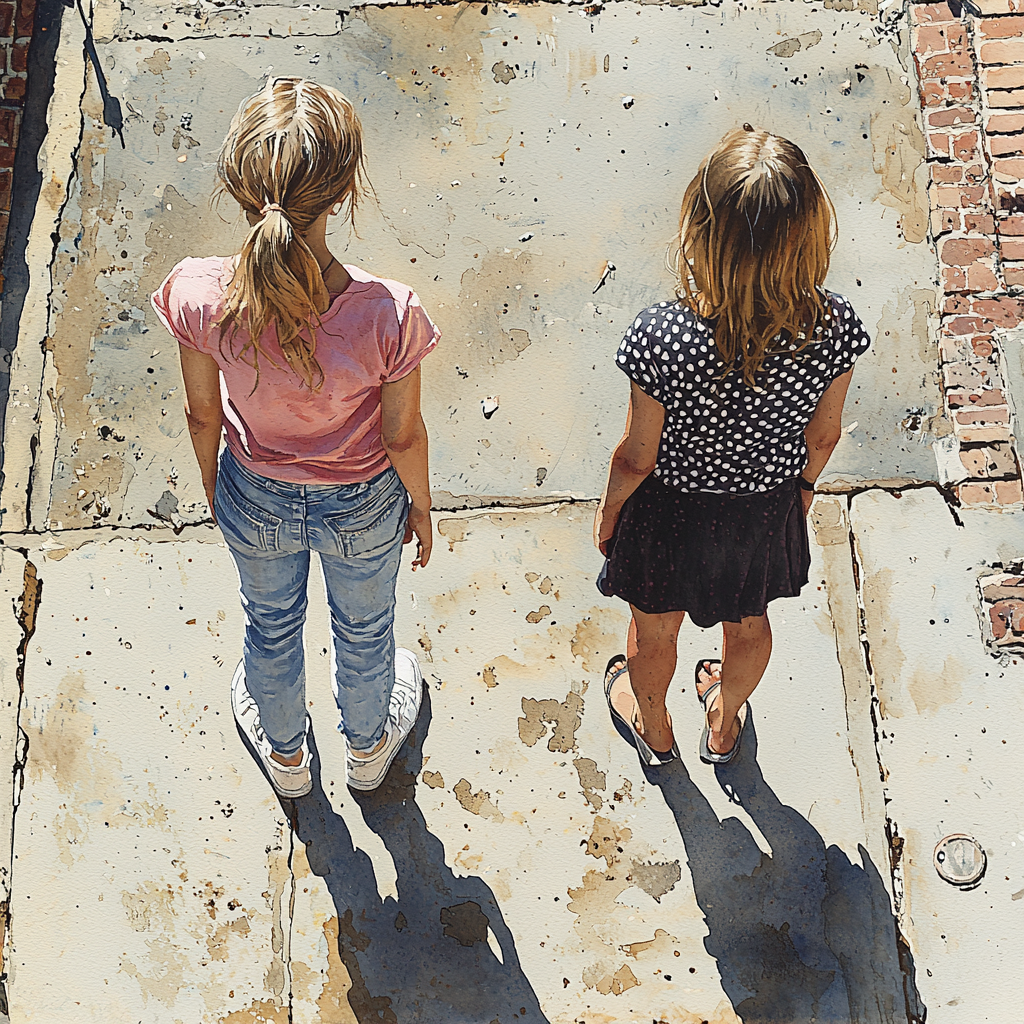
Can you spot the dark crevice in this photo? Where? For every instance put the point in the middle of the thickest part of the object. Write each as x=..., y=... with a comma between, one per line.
x=27, y=182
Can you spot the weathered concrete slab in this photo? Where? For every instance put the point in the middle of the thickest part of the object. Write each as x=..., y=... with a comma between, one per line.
x=510, y=165
x=518, y=861
x=150, y=855
x=949, y=741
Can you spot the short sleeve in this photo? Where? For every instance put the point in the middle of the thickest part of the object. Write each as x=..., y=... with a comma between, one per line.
x=182, y=318
x=417, y=336
x=637, y=359
x=850, y=338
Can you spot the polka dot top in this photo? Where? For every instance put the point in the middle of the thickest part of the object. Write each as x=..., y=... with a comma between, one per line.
x=720, y=434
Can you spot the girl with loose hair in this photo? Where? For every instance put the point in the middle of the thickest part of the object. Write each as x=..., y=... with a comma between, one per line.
x=737, y=391
x=311, y=368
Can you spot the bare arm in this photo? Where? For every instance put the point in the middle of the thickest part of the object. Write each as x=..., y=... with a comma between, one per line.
x=203, y=413
x=404, y=437
x=824, y=430
x=633, y=461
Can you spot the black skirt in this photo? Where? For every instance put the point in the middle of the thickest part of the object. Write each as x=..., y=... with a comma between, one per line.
x=717, y=557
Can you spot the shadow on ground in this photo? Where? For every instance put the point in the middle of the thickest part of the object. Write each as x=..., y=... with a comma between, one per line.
x=424, y=957
x=802, y=934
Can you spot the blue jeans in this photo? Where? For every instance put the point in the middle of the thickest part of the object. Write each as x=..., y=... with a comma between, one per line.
x=270, y=527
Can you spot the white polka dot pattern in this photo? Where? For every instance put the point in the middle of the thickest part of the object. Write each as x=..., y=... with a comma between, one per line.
x=720, y=434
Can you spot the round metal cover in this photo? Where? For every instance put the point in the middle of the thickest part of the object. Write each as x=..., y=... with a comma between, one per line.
x=960, y=860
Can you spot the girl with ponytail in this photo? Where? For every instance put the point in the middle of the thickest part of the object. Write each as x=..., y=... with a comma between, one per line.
x=310, y=368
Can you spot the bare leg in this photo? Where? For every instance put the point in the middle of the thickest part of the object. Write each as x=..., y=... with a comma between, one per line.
x=639, y=695
x=747, y=646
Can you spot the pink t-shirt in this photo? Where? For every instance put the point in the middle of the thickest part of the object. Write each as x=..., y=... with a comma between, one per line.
x=374, y=332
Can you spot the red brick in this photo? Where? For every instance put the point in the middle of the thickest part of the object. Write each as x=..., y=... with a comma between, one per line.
x=974, y=399
x=1008, y=492
x=932, y=14
x=1004, y=52
x=25, y=20
x=1001, y=145
x=960, y=92
x=6, y=20
x=972, y=376
x=965, y=325
x=19, y=56
x=949, y=65
x=944, y=221
x=979, y=223
x=996, y=7
x=975, y=493
x=981, y=278
x=1006, y=100
x=1008, y=170
x=964, y=147
x=1012, y=249
x=950, y=116
x=1004, y=123
x=946, y=174
x=975, y=174
x=954, y=304
x=1013, y=225
x=1002, y=312
x=961, y=252
x=1001, y=78
x=948, y=196
x=6, y=177
x=14, y=89
x=970, y=433
x=932, y=94
x=1001, y=28
x=1013, y=274
x=990, y=461
x=930, y=39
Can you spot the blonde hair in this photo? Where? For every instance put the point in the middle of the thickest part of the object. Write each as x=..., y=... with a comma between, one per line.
x=294, y=150
x=756, y=233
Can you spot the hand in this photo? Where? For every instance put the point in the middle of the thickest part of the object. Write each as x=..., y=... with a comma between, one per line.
x=211, y=490
x=419, y=524
x=604, y=525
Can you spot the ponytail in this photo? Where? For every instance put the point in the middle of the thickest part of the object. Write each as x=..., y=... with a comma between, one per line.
x=294, y=149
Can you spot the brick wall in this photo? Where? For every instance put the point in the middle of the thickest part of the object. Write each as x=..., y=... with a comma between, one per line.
x=17, y=18
x=971, y=77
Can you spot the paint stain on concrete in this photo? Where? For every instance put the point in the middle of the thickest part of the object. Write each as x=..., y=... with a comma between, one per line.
x=590, y=780
x=887, y=658
x=607, y=840
x=489, y=676
x=899, y=156
x=217, y=944
x=333, y=1002
x=150, y=907
x=453, y=531
x=931, y=690
x=615, y=984
x=655, y=879
x=167, y=966
x=539, y=615
x=435, y=780
x=478, y=802
x=262, y=1011
x=795, y=44
x=597, y=636
x=465, y=922
x=565, y=716
x=661, y=943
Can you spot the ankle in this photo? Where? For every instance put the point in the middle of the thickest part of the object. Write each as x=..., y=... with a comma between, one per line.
x=289, y=760
x=363, y=754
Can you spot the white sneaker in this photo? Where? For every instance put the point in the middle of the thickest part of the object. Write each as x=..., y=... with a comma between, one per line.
x=290, y=782
x=406, y=697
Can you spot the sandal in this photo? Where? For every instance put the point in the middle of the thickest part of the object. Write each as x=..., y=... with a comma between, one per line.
x=707, y=755
x=698, y=668
x=647, y=755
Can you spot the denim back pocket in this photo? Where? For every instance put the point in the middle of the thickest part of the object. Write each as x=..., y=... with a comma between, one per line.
x=371, y=528
x=243, y=523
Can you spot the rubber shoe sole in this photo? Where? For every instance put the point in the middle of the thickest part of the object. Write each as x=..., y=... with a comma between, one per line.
x=289, y=782
x=366, y=773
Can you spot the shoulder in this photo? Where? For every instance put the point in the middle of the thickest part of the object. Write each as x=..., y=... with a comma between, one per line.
x=382, y=289
x=197, y=281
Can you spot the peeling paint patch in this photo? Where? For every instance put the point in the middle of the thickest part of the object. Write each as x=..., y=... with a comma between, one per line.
x=478, y=802
x=655, y=879
x=607, y=840
x=795, y=44
x=590, y=780
x=615, y=984
x=435, y=780
x=661, y=943
x=563, y=715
